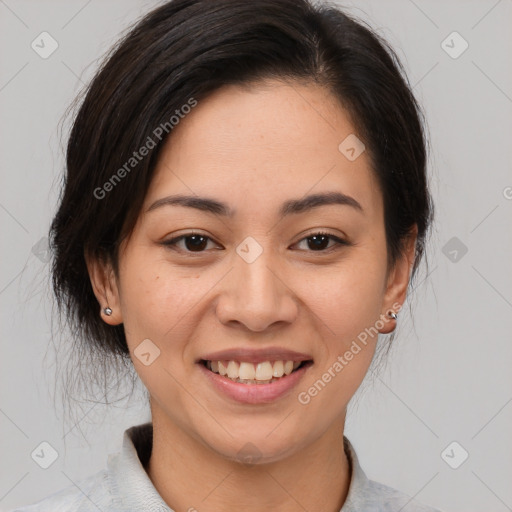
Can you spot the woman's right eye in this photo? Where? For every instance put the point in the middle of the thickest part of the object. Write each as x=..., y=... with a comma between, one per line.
x=194, y=242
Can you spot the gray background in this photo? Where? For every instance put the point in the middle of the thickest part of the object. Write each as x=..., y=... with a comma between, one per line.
x=448, y=377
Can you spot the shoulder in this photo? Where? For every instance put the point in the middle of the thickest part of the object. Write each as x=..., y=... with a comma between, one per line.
x=87, y=495
x=366, y=495
x=122, y=486
x=382, y=498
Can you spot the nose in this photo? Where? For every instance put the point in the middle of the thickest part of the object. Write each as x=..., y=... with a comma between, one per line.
x=256, y=295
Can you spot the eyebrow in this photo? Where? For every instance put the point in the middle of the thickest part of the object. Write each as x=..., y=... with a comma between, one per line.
x=290, y=207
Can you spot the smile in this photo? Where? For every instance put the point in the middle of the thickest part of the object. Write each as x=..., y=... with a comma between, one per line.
x=246, y=382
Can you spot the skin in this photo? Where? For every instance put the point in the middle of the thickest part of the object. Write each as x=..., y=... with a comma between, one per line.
x=254, y=148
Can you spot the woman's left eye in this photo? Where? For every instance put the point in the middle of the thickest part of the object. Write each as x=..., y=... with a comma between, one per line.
x=194, y=242
x=319, y=239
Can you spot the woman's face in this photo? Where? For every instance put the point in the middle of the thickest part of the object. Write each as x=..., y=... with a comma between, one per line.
x=254, y=282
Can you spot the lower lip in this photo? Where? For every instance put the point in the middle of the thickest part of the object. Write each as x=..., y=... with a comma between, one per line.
x=255, y=393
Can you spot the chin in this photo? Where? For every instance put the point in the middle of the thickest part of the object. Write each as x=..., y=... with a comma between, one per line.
x=256, y=446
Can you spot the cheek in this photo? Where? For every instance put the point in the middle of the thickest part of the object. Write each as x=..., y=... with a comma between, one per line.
x=155, y=297
x=157, y=301
x=348, y=301
x=347, y=297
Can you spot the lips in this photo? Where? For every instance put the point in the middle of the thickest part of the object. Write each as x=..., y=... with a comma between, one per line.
x=258, y=390
x=256, y=355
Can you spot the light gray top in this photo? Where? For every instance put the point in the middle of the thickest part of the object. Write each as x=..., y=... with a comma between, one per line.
x=125, y=486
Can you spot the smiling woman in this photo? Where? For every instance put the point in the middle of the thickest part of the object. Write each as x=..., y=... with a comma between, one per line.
x=294, y=190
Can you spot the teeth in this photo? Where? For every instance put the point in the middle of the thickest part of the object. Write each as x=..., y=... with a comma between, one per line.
x=233, y=369
x=278, y=369
x=264, y=371
x=249, y=373
x=246, y=372
x=222, y=369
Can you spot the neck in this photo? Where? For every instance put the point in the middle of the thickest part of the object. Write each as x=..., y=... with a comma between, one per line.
x=192, y=477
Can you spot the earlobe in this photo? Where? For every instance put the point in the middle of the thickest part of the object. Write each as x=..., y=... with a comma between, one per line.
x=388, y=321
x=398, y=282
x=105, y=288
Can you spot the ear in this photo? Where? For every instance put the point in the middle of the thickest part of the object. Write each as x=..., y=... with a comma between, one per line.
x=398, y=280
x=105, y=287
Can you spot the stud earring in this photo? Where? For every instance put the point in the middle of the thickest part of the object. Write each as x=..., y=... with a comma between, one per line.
x=392, y=314
x=107, y=311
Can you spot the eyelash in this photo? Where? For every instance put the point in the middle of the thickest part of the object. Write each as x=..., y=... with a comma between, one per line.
x=172, y=243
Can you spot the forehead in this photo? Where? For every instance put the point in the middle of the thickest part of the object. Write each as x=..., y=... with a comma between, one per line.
x=259, y=145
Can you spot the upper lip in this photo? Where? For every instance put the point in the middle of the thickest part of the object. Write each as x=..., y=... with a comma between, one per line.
x=251, y=355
